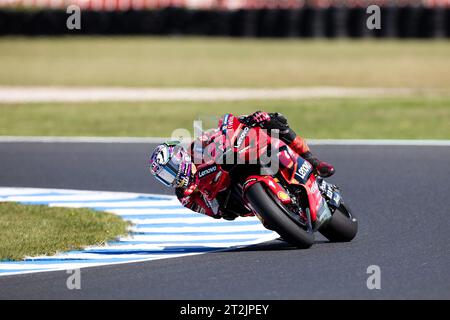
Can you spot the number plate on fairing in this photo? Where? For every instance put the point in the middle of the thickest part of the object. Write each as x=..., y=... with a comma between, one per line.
x=333, y=196
x=335, y=200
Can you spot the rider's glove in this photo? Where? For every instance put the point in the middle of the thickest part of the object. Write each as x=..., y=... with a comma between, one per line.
x=323, y=168
x=257, y=119
x=278, y=121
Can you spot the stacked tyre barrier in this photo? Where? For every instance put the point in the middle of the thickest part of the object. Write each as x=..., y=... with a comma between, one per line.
x=308, y=22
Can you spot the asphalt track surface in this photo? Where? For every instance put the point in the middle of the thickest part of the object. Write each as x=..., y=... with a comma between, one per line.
x=400, y=195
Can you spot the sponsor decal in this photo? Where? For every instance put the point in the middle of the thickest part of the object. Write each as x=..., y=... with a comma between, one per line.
x=283, y=196
x=242, y=136
x=304, y=170
x=329, y=194
x=207, y=171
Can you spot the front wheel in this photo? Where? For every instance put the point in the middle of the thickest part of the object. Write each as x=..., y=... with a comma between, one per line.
x=277, y=216
x=342, y=227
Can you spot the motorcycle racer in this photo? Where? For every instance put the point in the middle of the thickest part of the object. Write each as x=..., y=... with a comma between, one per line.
x=172, y=165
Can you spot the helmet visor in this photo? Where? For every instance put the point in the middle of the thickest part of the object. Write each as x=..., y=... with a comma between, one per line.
x=167, y=174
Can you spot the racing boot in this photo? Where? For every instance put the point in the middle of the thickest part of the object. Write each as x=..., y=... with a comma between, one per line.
x=323, y=168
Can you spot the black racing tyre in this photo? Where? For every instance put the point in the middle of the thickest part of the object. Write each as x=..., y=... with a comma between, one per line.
x=274, y=214
x=342, y=227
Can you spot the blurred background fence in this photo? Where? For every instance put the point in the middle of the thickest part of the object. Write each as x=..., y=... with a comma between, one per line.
x=236, y=18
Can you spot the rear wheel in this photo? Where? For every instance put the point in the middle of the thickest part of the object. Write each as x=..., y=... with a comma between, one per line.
x=278, y=217
x=342, y=227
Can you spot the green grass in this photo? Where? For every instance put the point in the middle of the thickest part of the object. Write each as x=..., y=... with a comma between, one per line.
x=402, y=118
x=39, y=230
x=223, y=62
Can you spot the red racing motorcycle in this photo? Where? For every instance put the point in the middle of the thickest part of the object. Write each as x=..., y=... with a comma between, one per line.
x=248, y=171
